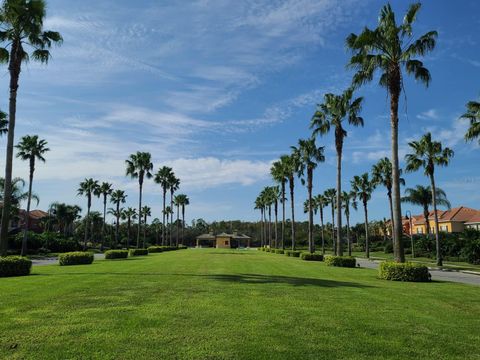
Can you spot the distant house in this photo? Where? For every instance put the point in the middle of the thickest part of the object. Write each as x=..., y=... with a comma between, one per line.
x=17, y=223
x=223, y=240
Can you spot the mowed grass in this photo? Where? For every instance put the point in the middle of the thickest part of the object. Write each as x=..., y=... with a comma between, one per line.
x=232, y=304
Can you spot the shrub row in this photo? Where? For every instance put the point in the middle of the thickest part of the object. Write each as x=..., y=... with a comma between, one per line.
x=390, y=270
x=116, y=254
x=14, y=266
x=311, y=257
x=341, y=261
x=292, y=253
x=138, y=252
x=75, y=258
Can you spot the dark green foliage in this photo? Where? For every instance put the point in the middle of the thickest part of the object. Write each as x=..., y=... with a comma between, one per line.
x=116, y=254
x=311, y=257
x=390, y=270
x=138, y=252
x=267, y=249
x=470, y=240
x=14, y=266
x=155, y=249
x=279, y=251
x=75, y=258
x=40, y=243
x=292, y=253
x=182, y=247
x=340, y=261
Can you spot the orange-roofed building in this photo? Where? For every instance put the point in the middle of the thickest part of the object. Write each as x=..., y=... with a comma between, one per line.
x=451, y=221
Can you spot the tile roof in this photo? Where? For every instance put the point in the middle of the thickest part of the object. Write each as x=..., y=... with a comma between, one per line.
x=458, y=214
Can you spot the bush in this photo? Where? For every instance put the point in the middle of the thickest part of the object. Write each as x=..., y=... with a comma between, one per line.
x=311, y=257
x=279, y=251
x=267, y=249
x=116, y=254
x=138, y=252
x=340, y=261
x=390, y=270
x=358, y=248
x=292, y=253
x=75, y=258
x=155, y=249
x=14, y=266
x=471, y=246
x=182, y=247
x=260, y=248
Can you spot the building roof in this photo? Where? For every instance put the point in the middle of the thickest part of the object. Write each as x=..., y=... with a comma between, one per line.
x=458, y=214
x=210, y=236
x=206, y=237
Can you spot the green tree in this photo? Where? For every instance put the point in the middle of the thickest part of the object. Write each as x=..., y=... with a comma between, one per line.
x=174, y=183
x=22, y=28
x=362, y=188
x=139, y=166
x=3, y=123
x=87, y=188
x=427, y=154
x=331, y=195
x=145, y=213
x=260, y=205
x=105, y=189
x=129, y=214
x=309, y=156
x=30, y=148
x=182, y=200
x=280, y=176
x=473, y=114
x=157, y=226
x=291, y=163
x=162, y=177
x=390, y=49
x=331, y=114
x=348, y=200
x=117, y=197
x=320, y=202
x=65, y=216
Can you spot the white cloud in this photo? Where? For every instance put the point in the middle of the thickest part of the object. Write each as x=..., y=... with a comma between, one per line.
x=431, y=114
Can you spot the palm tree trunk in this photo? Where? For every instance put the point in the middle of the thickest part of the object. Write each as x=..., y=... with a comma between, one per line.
x=292, y=205
x=87, y=221
x=339, y=198
x=27, y=214
x=270, y=226
x=183, y=224
x=435, y=217
x=14, y=68
x=104, y=220
x=261, y=227
x=128, y=232
x=276, y=223
x=347, y=216
x=144, y=230
x=311, y=245
x=140, y=188
x=178, y=222
x=283, y=215
x=367, y=243
x=333, y=226
x=163, y=223
x=425, y=217
x=117, y=225
x=391, y=217
x=394, y=90
x=171, y=219
x=322, y=230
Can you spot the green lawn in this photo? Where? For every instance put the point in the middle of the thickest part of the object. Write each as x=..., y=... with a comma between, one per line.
x=214, y=304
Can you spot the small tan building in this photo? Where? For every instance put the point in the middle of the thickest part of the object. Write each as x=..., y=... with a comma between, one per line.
x=223, y=240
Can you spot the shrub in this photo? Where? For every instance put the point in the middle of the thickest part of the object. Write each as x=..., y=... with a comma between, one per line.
x=14, y=266
x=341, y=261
x=279, y=251
x=75, y=258
x=358, y=248
x=182, y=247
x=155, y=249
x=138, y=252
x=116, y=254
x=292, y=253
x=267, y=249
x=260, y=249
x=311, y=257
x=471, y=246
x=390, y=270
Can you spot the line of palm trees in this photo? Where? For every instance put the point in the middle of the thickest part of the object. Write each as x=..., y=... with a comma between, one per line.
x=390, y=50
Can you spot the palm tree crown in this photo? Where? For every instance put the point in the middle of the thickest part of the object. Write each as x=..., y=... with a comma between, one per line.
x=473, y=114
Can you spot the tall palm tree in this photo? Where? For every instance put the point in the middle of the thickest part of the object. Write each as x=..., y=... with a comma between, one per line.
x=22, y=28
x=309, y=156
x=260, y=205
x=139, y=166
x=174, y=183
x=157, y=225
x=362, y=188
x=117, y=197
x=331, y=113
x=331, y=195
x=291, y=163
x=64, y=216
x=280, y=176
x=391, y=49
x=129, y=214
x=320, y=202
x=87, y=188
x=162, y=177
x=473, y=114
x=3, y=123
x=30, y=148
x=104, y=189
x=168, y=213
x=427, y=154
x=146, y=212
x=276, y=196
x=422, y=196
x=182, y=200
x=382, y=175
x=348, y=199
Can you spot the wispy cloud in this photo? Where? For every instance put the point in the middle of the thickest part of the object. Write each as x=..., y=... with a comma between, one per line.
x=431, y=114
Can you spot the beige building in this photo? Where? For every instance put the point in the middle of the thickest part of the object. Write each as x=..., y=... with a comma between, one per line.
x=223, y=240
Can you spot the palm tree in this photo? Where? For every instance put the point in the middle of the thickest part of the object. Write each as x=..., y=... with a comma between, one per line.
x=427, y=154
x=174, y=183
x=3, y=123
x=87, y=188
x=331, y=113
x=362, y=188
x=348, y=199
x=309, y=156
x=422, y=196
x=139, y=166
x=473, y=114
x=30, y=148
x=129, y=214
x=276, y=196
x=168, y=213
x=260, y=205
x=268, y=201
x=320, y=202
x=382, y=175
x=117, y=197
x=331, y=195
x=157, y=225
x=182, y=200
x=391, y=48
x=162, y=178
x=146, y=212
x=280, y=176
x=22, y=27
x=104, y=189
x=291, y=163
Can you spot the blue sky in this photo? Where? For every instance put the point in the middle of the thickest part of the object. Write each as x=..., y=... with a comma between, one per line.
x=220, y=89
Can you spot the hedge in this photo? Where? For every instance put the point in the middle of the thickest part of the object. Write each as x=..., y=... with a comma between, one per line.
x=155, y=249
x=390, y=270
x=116, y=254
x=14, y=266
x=341, y=261
x=75, y=258
x=292, y=253
x=279, y=251
x=138, y=252
x=311, y=257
